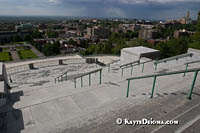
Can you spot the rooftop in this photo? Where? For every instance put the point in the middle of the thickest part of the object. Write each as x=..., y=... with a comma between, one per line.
x=140, y=50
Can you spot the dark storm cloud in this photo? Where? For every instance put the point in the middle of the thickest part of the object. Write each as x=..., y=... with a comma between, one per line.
x=142, y=9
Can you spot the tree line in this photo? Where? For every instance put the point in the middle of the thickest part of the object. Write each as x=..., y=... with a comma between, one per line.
x=172, y=47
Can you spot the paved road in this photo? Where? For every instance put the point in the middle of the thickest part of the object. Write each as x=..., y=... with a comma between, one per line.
x=15, y=55
x=38, y=53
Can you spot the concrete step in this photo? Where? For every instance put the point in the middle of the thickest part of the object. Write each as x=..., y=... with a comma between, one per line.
x=172, y=107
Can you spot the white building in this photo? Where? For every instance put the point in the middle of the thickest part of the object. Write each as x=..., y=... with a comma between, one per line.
x=135, y=53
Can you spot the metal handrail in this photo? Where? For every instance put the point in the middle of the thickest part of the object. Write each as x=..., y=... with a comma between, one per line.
x=130, y=63
x=172, y=58
x=197, y=61
x=196, y=70
x=61, y=76
x=136, y=65
x=88, y=73
x=108, y=65
x=192, y=62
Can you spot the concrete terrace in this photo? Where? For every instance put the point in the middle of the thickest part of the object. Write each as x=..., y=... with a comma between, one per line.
x=38, y=104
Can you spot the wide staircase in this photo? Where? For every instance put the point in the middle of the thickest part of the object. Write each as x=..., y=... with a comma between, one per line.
x=94, y=107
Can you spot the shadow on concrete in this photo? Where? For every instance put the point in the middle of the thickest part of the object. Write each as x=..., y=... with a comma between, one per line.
x=195, y=93
x=11, y=119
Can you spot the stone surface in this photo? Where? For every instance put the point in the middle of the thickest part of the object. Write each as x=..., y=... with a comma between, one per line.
x=38, y=104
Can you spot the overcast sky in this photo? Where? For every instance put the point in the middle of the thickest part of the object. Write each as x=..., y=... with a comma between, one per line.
x=141, y=9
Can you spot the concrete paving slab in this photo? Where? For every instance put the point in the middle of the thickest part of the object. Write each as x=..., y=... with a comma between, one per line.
x=67, y=108
x=86, y=100
x=45, y=114
x=15, y=55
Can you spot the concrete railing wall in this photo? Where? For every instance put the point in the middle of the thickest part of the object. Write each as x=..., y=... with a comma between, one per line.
x=3, y=84
x=18, y=68
x=26, y=67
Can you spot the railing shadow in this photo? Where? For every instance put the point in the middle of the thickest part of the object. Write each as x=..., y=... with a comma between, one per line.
x=11, y=119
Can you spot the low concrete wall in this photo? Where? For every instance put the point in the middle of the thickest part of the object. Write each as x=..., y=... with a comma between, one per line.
x=26, y=67
x=90, y=60
x=3, y=85
x=2, y=89
x=196, y=53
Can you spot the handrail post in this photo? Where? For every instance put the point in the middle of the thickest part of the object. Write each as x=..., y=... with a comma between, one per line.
x=75, y=82
x=66, y=76
x=127, y=94
x=122, y=72
x=143, y=68
x=100, y=77
x=185, y=70
x=132, y=70
x=81, y=81
x=154, y=82
x=193, y=83
x=89, y=79
x=156, y=66
x=109, y=68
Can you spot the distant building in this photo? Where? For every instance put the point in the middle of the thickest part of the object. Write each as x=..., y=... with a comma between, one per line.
x=113, y=29
x=24, y=27
x=42, y=26
x=182, y=33
x=40, y=41
x=64, y=49
x=129, y=27
x=155, y=41
x=7, y=36
x=98, y=32
x=185, y=20
x=146, y=26
x=147, y=34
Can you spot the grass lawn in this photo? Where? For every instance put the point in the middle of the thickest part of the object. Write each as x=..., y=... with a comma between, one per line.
x=5, y=56
x=19, y=47
x=5, y=49
x=27, y=54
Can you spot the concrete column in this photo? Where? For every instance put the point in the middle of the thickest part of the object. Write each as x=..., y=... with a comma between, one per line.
x=60, y=62
x=31, y=66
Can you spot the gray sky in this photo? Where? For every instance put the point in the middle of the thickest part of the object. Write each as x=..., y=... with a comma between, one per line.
x=142, y=9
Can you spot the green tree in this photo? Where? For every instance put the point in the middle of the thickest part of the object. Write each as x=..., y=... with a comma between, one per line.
x=51, y=49
x=27, y=38
x=198, y=18
x=36, y=34
x=198, y=22
x=107, y=49
x=17, y=38
x=52, y=34
x=98, y=49
x=72, y=42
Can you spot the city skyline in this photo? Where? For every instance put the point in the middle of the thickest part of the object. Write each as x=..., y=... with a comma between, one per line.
x=139, y=9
